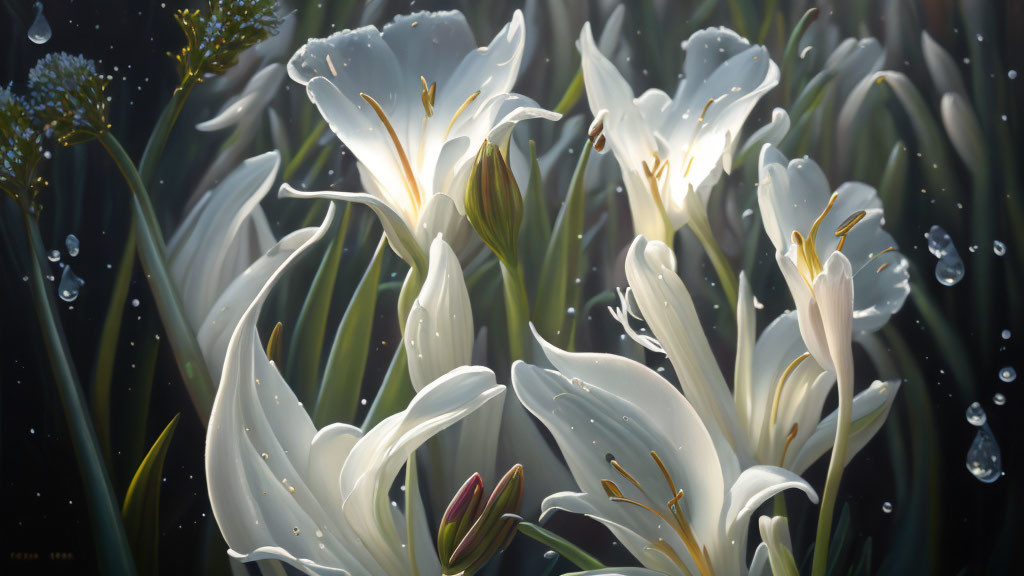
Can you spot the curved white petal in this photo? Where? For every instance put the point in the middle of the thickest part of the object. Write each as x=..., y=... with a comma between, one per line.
x=439, y=332
x=258, y=92
x=666, y=305
x=219, y=239
x=399, y=235
x=441, y=216
x=304, y=565
x=870, y=410
x=376, y=459
x=833, y=290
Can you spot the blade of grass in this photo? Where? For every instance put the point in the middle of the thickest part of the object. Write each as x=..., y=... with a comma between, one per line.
x=141, y=510
x=568, y=550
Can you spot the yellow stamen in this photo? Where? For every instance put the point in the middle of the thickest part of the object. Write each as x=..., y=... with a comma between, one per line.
x=663, y=547
x=689, y=165
x=782, y=381
x=664, y=472
x=851, y=221
x=789, y=440
x=882, y=267
x=410, y=177
x=802, y=264
x=705, y=110
x=427, y=97
x=611, y=489
x=652, y=183
x=626, y=475
x=460, y=111
x=330, y=65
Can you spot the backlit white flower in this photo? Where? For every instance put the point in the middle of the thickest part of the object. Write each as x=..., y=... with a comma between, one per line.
x=671, y=147
x=413, y=102
x=646, y=466
x=319, y=499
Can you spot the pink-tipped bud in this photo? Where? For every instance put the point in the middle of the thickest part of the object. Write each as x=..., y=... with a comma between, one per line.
x=492, y=530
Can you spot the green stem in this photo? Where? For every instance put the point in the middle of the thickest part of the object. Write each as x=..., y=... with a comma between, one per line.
x=517, y=311
x=410, y=290
x=183, y=340
x=113, y=551
x=303, y=151
x=572, y=93
x=835, y=472
x=566, y=549
x=702, y=229
x=162, y=132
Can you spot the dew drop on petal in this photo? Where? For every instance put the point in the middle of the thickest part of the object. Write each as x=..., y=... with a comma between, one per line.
x=72, y=245
x=984, y=459
x=70, y=285
x=1007, y=374
x=976, y=415
x=39, y=32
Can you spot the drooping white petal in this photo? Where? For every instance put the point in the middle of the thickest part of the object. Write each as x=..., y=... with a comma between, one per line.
x=666, y=305
x=258, y=92
x=870, y=410
x=218, y=239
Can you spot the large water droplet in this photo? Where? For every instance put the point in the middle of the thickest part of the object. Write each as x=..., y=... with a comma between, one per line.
x=998, y=247
x=1007, y=374
x=887, y=507
x=939, y=241
x=39, y=32
x=69, y=286
x=976, y=415
x=999, y=399
x=950, y=269
x=551, y=555
x=72, y=245
x=53, y=256
x=1005, y=334
x=984, y=459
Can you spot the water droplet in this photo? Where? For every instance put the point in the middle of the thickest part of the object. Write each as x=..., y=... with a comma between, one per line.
x=984, y=459
x=39, y=32
x=53, y=256
x=69, y=286
x=1007, y=374
x=72, y=245
x=939, y=242
x=976, y=415
x=551, y=555
x=1005, y=334
x=999, y=399
x=887, y=507
x=1012, y=74
x=998, y=247
x=570, y=311
x=950, y=269
x=296, y=531
x=135, y=302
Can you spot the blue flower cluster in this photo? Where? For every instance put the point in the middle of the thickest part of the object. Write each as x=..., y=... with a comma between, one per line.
x=20, y=145
x=216, y=39
x=67, y=95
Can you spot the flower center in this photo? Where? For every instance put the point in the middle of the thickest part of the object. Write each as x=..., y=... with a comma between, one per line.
x=807, y=259
x=412, y=188
x=675, y=518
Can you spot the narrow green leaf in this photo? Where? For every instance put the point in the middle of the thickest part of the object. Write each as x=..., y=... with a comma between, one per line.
x=894, y=181
x=141, y=510
x=566, y=549
x=103, y=377
x=562, y=262
x=838, y=550
x=572, y=93
x=306, y=346
x=536, y=229
x=789, y=56
x=338, y=399
x=863, y=565
x=395, y=392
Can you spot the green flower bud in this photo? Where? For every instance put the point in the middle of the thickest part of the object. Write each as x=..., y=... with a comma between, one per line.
x=492, y=528
x=215, y=40
x=21, y=147
x=68, y=96
x=494, y=205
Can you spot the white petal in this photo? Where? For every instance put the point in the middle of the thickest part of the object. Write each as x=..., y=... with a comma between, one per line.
x=746, y=334
x=752, y=489
x=376, y=459
x=943, y=69
x=791, y=196
x=809, y=317
x=666, y=305
x=304, y=565
x=833, y=290
x=215, y=243
x=961, y=124
x=441, y=216
x=399, y=235
x=870, y=410
x=439, y=331
x=429, y=44
x=258, y=92
x=771, y=133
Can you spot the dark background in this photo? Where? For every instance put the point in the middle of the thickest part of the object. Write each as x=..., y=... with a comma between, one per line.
x=965, y=527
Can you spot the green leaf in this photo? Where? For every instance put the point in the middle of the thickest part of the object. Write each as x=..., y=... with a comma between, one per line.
x=562, y=262
x=838, y=550
x=536, y=228
x=306, y=345
x=141, y=511
x=789, y=56
x=894, y=181
x=566, y=549
x=395, y=392
x=338, y=399
x=572, y=94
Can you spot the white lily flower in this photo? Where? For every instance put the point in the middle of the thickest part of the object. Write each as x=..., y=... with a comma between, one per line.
x=439, y=338
x=796, y=200
x=413, y=103
x=318, y=499
x=646, y=465
x=774, y=414
x=225, y=233
x=671, y=147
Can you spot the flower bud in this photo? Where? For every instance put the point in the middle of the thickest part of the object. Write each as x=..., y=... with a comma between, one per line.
x=492, y=528
x=68, y=96
x=494, y=205
x=20, y=147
